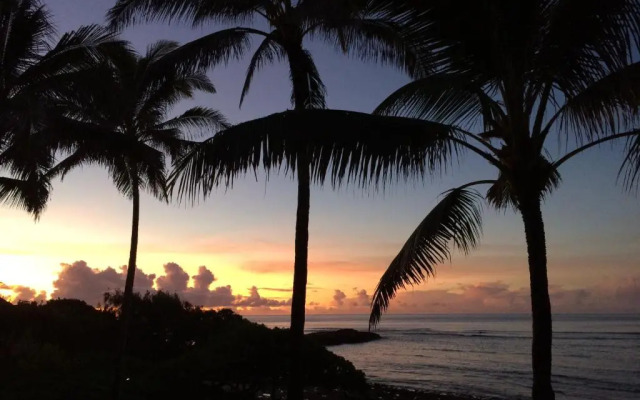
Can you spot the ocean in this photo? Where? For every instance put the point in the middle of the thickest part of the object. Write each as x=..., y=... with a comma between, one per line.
x=595, y=356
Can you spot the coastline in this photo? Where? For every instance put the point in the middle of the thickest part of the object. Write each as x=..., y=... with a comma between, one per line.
x=377, y=391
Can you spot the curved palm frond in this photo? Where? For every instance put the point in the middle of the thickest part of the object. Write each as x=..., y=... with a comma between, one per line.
x=30, y=195
x=602, y=36
x=81, y=49
x=448, y=98
x=630, y=168
x=129, y=12
x=210, y=50
x=266, y=53
x=315, y=91
x=606, y=105
x=455, y=222
x=347, y=146
x=26, y=33
x=197, y=121
x=352, y=28
x=155, y=99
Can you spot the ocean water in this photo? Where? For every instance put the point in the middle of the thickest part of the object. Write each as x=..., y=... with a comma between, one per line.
x=595, y=357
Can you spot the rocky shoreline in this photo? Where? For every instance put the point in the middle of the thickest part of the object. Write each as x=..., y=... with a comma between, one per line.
x=342, y=336
x=375, y=392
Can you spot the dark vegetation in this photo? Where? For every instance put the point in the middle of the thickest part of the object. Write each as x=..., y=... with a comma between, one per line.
x=65, y=349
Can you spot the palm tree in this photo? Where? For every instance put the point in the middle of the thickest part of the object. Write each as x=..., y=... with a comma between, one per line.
x=349, y=24
x=123, y=124
x=508, y=76
x=34, y=72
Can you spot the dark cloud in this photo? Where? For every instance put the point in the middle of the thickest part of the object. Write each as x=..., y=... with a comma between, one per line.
x=254, y=300
x=497, y=297
x=362, y=298
x=338, y=297
x=79, y=281
x=174, y=280
x=204, y=279
x=23, y=293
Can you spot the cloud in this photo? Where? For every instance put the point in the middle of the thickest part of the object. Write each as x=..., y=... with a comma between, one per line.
x=359, y=302
x=338, y=297
x=254, y=300
x=79, y=281
x=497, y=297
x=23, y=293
x=204, y=279
x=174, y=280
x=362, y=298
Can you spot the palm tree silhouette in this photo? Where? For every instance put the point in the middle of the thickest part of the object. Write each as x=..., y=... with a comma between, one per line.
x=123, y=124
x=351, y=25
x=35, y=72
x=508, y=76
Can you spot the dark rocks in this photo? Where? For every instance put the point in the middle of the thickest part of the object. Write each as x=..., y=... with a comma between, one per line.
x=342, y=336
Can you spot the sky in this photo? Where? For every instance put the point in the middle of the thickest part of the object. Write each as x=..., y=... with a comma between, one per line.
x=236, y=248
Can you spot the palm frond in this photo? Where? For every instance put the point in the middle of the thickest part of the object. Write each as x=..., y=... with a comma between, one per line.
x=448, y=98
x=26, y=33
x=266, y=53
x=345, y=146
x=197, y=121
x=129, y=12
x=313, y=87
x=83, y=48
x=601, y=37
x=605, y=106
x=30, y=195
x=157, y=97
x=455, y=222
x=209, y=50
x=374, y=40
x=630, y=168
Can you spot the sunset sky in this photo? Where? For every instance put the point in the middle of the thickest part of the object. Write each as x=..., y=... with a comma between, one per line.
x=244, y=236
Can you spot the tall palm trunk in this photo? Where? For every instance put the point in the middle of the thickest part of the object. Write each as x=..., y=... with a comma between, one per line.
x=540, y=303
x=127, y=300
x=299, y=296
x=296, y=384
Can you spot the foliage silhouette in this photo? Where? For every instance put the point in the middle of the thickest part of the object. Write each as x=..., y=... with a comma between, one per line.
x=350, y=25
x=35, y=72
x=516, y=73
x=64, y=349
x=123, y=124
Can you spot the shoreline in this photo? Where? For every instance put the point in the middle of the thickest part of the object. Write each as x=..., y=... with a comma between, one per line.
x=384, y=391
x=379, y=391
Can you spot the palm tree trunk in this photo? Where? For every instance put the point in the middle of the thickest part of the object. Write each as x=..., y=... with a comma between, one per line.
x=299, y=296
x=296, y=382
x=540, y=303
x=127, y=299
